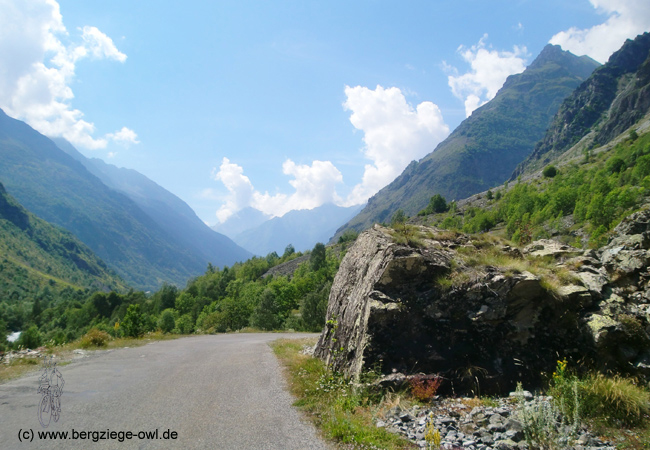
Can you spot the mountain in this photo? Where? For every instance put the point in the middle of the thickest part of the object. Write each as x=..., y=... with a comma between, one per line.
x=303, y=229
x=612, y=99
x=59, y=189
x=36, y=254
x=241, y=221
x=171, y=213
x=487, y=146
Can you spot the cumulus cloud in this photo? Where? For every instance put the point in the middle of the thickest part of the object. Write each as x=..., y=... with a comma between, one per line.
x=395, y=134
x=37, y=66
x=625, y=20
x=313, y=186
x=124, y=137
x=489, y=70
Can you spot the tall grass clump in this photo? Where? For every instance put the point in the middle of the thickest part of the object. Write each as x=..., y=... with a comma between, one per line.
x=618, y=400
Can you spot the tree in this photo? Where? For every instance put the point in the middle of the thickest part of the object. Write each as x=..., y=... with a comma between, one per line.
x=266, y=314
x=317, y=259
x=133, y=322
x=167, y=321
x=166, y=296
x=288, y=251
x=314, y=308
x=437, y=204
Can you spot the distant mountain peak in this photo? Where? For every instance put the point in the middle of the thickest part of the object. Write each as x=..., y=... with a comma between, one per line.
x=484, y=149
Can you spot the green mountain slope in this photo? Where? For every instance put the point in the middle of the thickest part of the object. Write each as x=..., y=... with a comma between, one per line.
x=36, y=254
x=611, y=100
x=171, y=213
x=487, y=146
x=55, y=187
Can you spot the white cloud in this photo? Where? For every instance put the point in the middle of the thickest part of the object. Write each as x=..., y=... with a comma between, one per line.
x=100, y=46
x=394, y=134
x=625, y=20
x=313, y=186
x=37, y=69
x=489, y=70
x=239, y=187
x=124, y=137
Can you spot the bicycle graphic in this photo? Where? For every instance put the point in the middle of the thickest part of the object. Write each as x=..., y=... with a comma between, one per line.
x=51, y=386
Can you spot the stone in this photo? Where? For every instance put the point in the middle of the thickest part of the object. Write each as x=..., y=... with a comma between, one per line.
x=549, y=247
x=496, y=327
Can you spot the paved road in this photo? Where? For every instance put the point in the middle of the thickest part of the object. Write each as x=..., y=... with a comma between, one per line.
x=216, y=392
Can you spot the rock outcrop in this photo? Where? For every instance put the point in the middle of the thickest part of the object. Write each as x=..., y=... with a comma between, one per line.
x=484, y=315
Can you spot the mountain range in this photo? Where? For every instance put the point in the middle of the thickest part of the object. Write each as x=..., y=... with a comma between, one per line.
x=301, y=228
x=485, y=148
x=144, y=246
x=171, y=213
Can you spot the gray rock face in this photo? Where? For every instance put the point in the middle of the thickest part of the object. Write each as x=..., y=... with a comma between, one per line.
x=393, y=307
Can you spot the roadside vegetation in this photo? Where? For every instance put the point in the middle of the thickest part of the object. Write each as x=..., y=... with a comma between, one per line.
x=616, y=409
x=343, y=412
x=237, y=298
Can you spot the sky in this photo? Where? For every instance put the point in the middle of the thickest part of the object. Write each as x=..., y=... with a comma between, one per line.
x=278, y=105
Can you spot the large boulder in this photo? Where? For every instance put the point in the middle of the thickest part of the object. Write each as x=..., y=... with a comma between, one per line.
x=430, y=307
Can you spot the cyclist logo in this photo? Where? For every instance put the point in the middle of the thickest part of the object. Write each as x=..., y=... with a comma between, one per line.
x=51, y=386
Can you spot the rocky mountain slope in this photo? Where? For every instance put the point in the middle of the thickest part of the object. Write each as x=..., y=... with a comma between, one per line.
x=477, y=311
x=484, y=150
x=611, y=100
x=35, y=254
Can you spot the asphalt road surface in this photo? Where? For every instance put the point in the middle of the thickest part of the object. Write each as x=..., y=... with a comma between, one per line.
x=214, y=392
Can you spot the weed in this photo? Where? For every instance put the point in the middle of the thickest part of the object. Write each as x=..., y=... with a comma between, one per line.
x=424, y=388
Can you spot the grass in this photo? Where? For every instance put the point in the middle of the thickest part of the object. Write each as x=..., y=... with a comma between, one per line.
x=344, y=413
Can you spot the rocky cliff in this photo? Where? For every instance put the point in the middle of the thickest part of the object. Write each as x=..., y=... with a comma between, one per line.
x=485, y=315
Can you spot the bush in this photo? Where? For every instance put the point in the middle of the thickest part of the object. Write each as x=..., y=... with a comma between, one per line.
x=30, y=338
x=549, y=171
x=95, y=338
x=424, y=387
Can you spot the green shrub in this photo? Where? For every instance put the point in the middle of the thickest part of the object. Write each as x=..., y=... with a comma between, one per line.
x=30, y=338
x=549, y=171
x=94, y=338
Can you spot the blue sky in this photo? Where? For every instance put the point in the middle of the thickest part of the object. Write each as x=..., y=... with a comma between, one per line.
x=277, y=105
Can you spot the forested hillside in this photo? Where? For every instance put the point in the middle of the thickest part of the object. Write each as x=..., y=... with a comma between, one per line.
x=55, y=187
